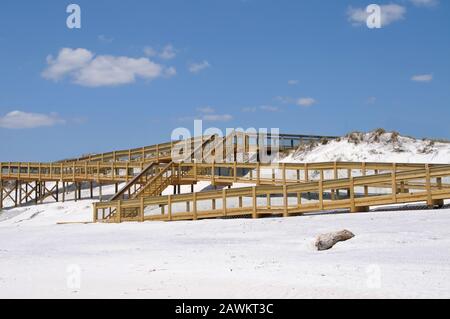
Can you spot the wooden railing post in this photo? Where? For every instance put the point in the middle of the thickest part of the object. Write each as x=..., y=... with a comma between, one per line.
x=224, y=202
x=194, y=206
x=285, y=201
x=336, y=176
x=213, y=171
x=428, y=186
x=394, y=183
x=439, y=183
x=255, y=203
x=119, y=211
x=258, y=174
x=321, y=194
x=169, y=207
x=364, y=173
x=142, y=209
x=1, y=194
x=349, y=175
x=352, y=195
x=95, y=213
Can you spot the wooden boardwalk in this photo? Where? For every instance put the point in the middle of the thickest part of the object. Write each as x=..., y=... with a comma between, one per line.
x=283, y=189
x=356, y=194
x=25, y=183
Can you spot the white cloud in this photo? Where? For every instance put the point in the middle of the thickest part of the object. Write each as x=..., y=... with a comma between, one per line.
x=206, y=109
x=293, y=82
x=389, y=13
x=170, y=71
x=284, y=99
x=250, y=109
x=422, y=78
x=209, y=114
x=269, y=108
x=306, y=101
x=371, y=100
x=150, y=52
x=104, y=39
x=425, y=3
x=217, y=117
x=167, y=53
x=24, y=120
x=86, y=69
x=68, y=60
x=265, y=108
x=198, y=67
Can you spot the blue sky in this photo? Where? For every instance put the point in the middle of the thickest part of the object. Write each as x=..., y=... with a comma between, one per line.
x=138, y=69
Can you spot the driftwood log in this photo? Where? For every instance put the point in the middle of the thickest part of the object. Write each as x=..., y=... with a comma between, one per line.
x=327, y=241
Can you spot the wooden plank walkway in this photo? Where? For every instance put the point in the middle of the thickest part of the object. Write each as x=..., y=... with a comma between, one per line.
x=357, y=197
x=287, y=188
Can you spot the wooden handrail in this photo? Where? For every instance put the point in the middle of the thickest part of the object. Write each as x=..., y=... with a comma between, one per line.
x=430, y=194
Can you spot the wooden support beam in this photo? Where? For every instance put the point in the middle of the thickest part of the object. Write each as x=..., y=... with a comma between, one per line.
x=15, y=193
x=36, y=192
x=20, y=194
x=57, y=191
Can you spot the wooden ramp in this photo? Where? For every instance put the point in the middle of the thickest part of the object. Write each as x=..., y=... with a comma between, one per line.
x=357, y=194
x=274, y=189
x=27, y=182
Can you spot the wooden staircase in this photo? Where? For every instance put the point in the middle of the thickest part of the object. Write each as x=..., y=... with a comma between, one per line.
x=152, y=181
